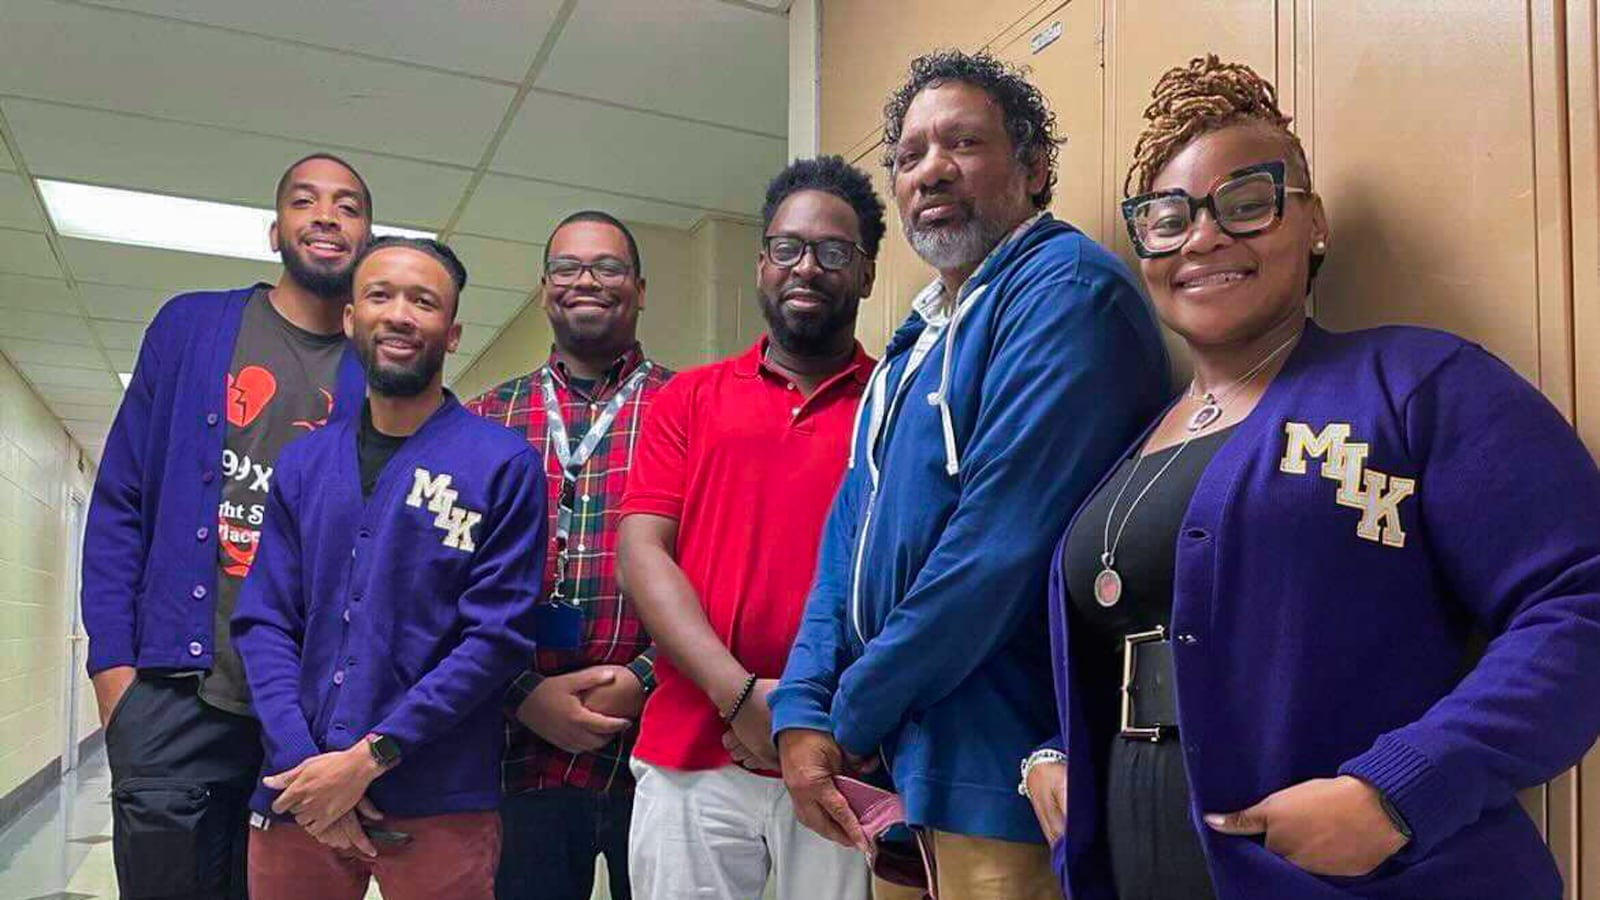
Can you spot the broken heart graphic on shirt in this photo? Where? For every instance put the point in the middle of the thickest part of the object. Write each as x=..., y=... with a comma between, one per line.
x=249, y=392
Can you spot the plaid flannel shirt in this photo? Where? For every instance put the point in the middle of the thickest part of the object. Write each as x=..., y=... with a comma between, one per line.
x=612, y=633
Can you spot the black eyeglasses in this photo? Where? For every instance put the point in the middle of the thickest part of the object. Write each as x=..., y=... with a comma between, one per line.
x=1248, y=202
x=609, y=271
x=831, y=254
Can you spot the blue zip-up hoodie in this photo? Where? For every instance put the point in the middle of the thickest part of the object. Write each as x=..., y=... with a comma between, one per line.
x=150, y=574
x=925, y=633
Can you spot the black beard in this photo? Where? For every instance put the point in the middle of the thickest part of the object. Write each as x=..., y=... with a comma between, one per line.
x=328, y=284
x=400, y=381
x=808, y=335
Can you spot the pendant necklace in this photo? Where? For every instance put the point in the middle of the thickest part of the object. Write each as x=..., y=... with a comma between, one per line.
x=1108, y=584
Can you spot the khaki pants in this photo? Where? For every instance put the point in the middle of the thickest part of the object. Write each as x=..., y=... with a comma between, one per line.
x=974, y=868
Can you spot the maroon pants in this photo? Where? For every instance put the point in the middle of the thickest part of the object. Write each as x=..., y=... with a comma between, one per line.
x=450, y=856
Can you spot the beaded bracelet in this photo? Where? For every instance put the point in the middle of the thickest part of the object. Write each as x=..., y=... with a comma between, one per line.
x=744, y=694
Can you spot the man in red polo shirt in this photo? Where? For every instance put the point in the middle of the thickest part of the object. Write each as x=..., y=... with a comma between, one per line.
x=735, y=470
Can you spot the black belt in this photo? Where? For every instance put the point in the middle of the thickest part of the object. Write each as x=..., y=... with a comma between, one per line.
x=1149, y=689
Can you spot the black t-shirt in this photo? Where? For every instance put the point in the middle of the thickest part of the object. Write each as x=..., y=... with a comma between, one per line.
x=374, y=449
x=281, y=385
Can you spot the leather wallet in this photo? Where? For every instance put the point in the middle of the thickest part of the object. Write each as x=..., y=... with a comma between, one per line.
x=905, y=863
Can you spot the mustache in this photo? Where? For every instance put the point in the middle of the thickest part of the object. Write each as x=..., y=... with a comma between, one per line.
x=795, y=285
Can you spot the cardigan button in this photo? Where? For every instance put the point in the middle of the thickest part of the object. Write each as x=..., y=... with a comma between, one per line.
x=195, y=649
x=199, y=592
x=211, y=419
x=207, y=476
x=338, y=677
x=202, y=533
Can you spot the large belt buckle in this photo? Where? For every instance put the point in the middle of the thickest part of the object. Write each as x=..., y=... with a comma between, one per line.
x=1130, y=644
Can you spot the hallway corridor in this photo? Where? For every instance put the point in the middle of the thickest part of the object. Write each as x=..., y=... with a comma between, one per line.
x=61, y=848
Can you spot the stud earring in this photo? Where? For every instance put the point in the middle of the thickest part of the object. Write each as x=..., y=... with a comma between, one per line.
x=1319, y=248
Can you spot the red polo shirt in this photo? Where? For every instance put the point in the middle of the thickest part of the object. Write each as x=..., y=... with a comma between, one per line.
x=748, y=467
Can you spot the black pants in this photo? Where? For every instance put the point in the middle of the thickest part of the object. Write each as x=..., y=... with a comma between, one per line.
x=1155, y=849
x=181, y=776
x=549, y=840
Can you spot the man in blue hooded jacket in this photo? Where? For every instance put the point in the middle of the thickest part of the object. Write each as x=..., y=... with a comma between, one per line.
x=1022, y=372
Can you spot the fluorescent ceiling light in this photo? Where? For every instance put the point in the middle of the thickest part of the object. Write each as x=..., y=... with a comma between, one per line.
x=126, y=377
x=168, y=223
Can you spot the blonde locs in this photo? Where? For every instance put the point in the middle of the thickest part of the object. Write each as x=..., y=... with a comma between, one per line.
x=1205, y=96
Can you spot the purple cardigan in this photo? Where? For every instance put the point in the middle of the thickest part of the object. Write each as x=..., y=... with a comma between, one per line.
x=403, y=614
x=150, y=544
x=1394, y=491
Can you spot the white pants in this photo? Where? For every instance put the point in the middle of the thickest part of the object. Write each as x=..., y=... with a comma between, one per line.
x=719, y=833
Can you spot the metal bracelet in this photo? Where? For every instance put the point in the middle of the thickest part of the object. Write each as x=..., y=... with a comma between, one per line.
x=1035, y=758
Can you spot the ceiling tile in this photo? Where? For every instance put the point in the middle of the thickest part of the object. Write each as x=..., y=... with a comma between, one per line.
x=84, y=396
x=82, y=356
x=499, y=264
x=106, y=59
x=117, y=150
x=639, y=154
x=36, y=293
x=26, y=253
x=85, y=412
x=697, y=58
x=62, y=376
x=50, y=327
x=114, y=301
x=6, y=162
x=165, y=271
x=474, y=338
x=17, y=209
x=116, y=335
x=122, y=360
x=496, y=40
x=490, y=306
x=529, y=210
x=88, y=433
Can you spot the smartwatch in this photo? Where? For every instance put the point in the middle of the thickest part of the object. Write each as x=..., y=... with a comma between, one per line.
x=384, y=750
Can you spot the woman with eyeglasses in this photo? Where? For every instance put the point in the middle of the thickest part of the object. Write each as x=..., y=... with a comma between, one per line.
x=1263, y=617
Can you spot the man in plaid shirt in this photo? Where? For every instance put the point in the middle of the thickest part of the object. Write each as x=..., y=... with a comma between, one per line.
x=568, y=791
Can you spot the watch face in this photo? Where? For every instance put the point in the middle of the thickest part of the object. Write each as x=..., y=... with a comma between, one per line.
x=384, y=749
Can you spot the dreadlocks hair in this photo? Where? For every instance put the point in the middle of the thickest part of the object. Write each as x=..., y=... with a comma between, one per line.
x=1206, y=95
x=1028, y=119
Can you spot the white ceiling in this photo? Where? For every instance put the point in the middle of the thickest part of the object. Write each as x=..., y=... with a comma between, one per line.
x=483, y=120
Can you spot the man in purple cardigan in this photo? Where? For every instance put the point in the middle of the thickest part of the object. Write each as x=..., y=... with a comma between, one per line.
x=224, y=380
x=392, y=603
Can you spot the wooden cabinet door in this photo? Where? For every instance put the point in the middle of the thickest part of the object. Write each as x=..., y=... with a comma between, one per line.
x=1067, y=69
x=867, y=46
x=1423, y=146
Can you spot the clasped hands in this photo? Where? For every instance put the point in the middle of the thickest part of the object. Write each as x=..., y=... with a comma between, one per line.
x=326, y=794
x=1326, y=826
x=582, y=711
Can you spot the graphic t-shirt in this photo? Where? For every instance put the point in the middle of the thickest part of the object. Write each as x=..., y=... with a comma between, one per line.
x=280, y=386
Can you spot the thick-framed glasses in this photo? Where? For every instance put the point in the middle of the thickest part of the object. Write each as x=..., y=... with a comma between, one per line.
x=565, y=271
x=831, y=254
x=1247, y=202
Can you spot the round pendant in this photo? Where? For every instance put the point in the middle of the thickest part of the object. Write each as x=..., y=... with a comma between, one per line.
x=1204, y=416
x=1107, y=588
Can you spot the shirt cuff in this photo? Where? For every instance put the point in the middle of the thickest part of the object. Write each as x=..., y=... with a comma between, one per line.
x=1416, y=787
x=520, y=689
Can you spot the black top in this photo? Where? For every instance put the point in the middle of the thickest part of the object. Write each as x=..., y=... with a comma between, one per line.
x=374, y=449
x=1155, y=852
x=1147, y=550
x=281, y=382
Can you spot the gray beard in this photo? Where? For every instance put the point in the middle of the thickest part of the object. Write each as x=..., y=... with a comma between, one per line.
x=946, y=248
